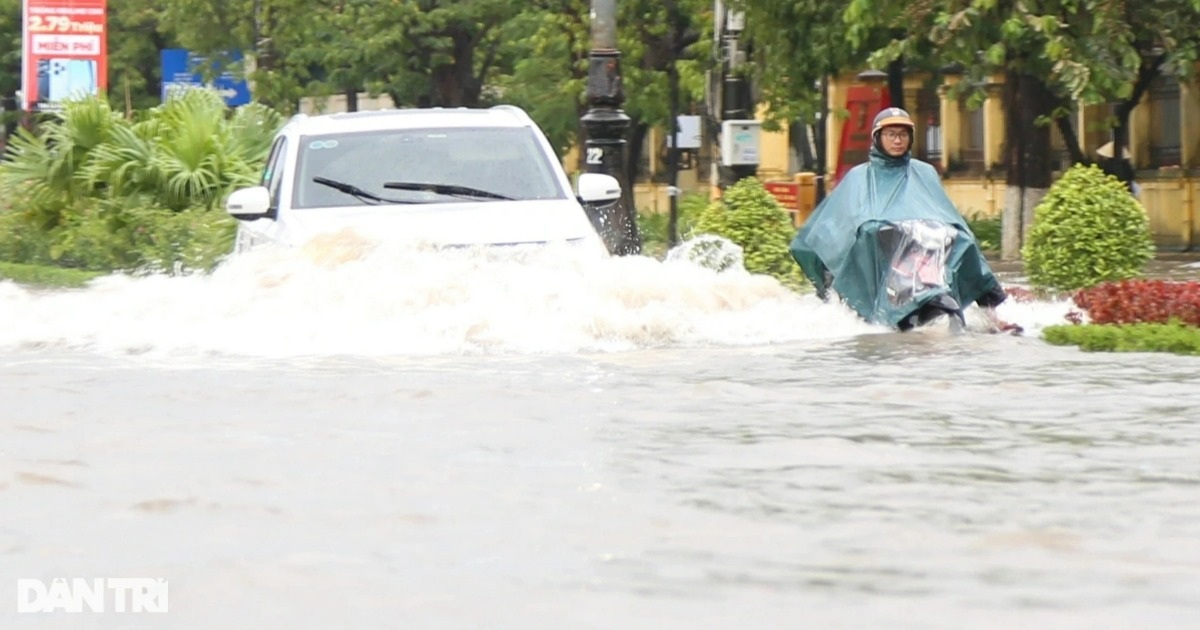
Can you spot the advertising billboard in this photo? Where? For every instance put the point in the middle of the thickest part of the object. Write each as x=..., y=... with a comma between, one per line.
x=64, y=51
x=182, y=70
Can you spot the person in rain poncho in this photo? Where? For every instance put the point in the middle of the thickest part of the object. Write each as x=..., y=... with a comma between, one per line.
x=840, y=246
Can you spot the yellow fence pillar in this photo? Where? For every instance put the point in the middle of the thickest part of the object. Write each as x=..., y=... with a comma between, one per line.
x=833, y=126
x=774, y=151
x=1139, y=132
x=993, y=126
x=1189, y=128
x=951, y=123
x=1189, y=146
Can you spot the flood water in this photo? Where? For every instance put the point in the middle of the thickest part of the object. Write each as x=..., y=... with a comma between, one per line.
x=348, y=438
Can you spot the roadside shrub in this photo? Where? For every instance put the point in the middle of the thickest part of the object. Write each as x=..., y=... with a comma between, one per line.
x=1088, y=230
x=1174, y=337
x=750, y=217
x=987, y=231
x=1138, y=301
x=102, y=235
x=23, y=239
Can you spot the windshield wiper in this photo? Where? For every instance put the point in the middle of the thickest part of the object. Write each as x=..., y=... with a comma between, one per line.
x=355, y=191
x=447, y=189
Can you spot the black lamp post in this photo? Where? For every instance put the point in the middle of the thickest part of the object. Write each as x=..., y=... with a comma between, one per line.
x=737, y=103
x=606, y=126
x=673, y=125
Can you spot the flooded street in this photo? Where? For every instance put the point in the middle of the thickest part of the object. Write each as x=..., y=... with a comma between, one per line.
x=369, y=441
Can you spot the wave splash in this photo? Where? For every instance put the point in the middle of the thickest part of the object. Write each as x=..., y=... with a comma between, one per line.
x=345, y=295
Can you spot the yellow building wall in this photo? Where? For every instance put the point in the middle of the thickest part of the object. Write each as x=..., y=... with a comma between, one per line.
x=1189, y=109
x=993, y=127
x=1171, y=205
x=976, y=198
x=776, y=152
x=1190, y=229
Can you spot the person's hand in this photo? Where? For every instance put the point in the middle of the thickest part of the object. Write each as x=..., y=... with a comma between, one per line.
x=997, y=325
x=823, y=292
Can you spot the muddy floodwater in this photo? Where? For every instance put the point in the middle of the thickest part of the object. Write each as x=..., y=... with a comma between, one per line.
x=401, y=440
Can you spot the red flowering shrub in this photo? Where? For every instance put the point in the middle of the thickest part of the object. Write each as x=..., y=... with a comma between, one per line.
x=1138, y=301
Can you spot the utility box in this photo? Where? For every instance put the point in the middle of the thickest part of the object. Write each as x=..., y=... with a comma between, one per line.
x=689, y=132
x=740, y=141
x=735, y=21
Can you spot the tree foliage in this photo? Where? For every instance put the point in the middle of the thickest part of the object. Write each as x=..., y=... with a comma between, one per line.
x=10, y=49
x=450, y=53
x=796, y=43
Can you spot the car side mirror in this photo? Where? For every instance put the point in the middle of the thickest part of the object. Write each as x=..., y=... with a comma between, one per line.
x=248, y=204
x=597, y=187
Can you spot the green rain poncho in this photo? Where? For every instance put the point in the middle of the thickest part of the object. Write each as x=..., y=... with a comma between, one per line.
x=842, y=238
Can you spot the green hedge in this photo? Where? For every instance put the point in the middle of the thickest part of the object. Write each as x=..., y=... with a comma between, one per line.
x=1174, y=337
x=987, y=231
x=46, y=277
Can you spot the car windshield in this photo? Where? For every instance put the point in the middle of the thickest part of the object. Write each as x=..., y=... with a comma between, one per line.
x=444, y=165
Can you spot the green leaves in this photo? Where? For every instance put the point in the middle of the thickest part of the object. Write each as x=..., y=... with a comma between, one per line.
x=750, y=217
x=1173, y=337
x=1087, y=230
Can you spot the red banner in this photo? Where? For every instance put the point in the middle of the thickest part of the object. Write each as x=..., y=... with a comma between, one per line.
x=863, y=103
x=786, y=193
x=64, y=51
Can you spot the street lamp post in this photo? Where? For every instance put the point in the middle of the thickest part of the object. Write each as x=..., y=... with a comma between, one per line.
x=736, y=102
x=673, y=125
x=606, y=126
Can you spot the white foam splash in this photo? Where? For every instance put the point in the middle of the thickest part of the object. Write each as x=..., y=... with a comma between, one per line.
x=1034, y=316
x=709, y=251
x=343, y=295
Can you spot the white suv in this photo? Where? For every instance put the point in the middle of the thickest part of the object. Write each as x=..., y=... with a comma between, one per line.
x=449, y=177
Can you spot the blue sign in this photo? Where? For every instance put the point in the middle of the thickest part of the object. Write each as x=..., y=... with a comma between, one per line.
x=183, y=70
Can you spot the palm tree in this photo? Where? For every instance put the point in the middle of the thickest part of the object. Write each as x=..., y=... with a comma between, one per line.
x=90, y=169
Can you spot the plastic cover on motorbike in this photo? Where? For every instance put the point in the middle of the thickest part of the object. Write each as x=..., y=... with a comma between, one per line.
x=880, y=220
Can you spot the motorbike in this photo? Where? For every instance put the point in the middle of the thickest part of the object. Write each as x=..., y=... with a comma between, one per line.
x=916, y=271
x=909, y=273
